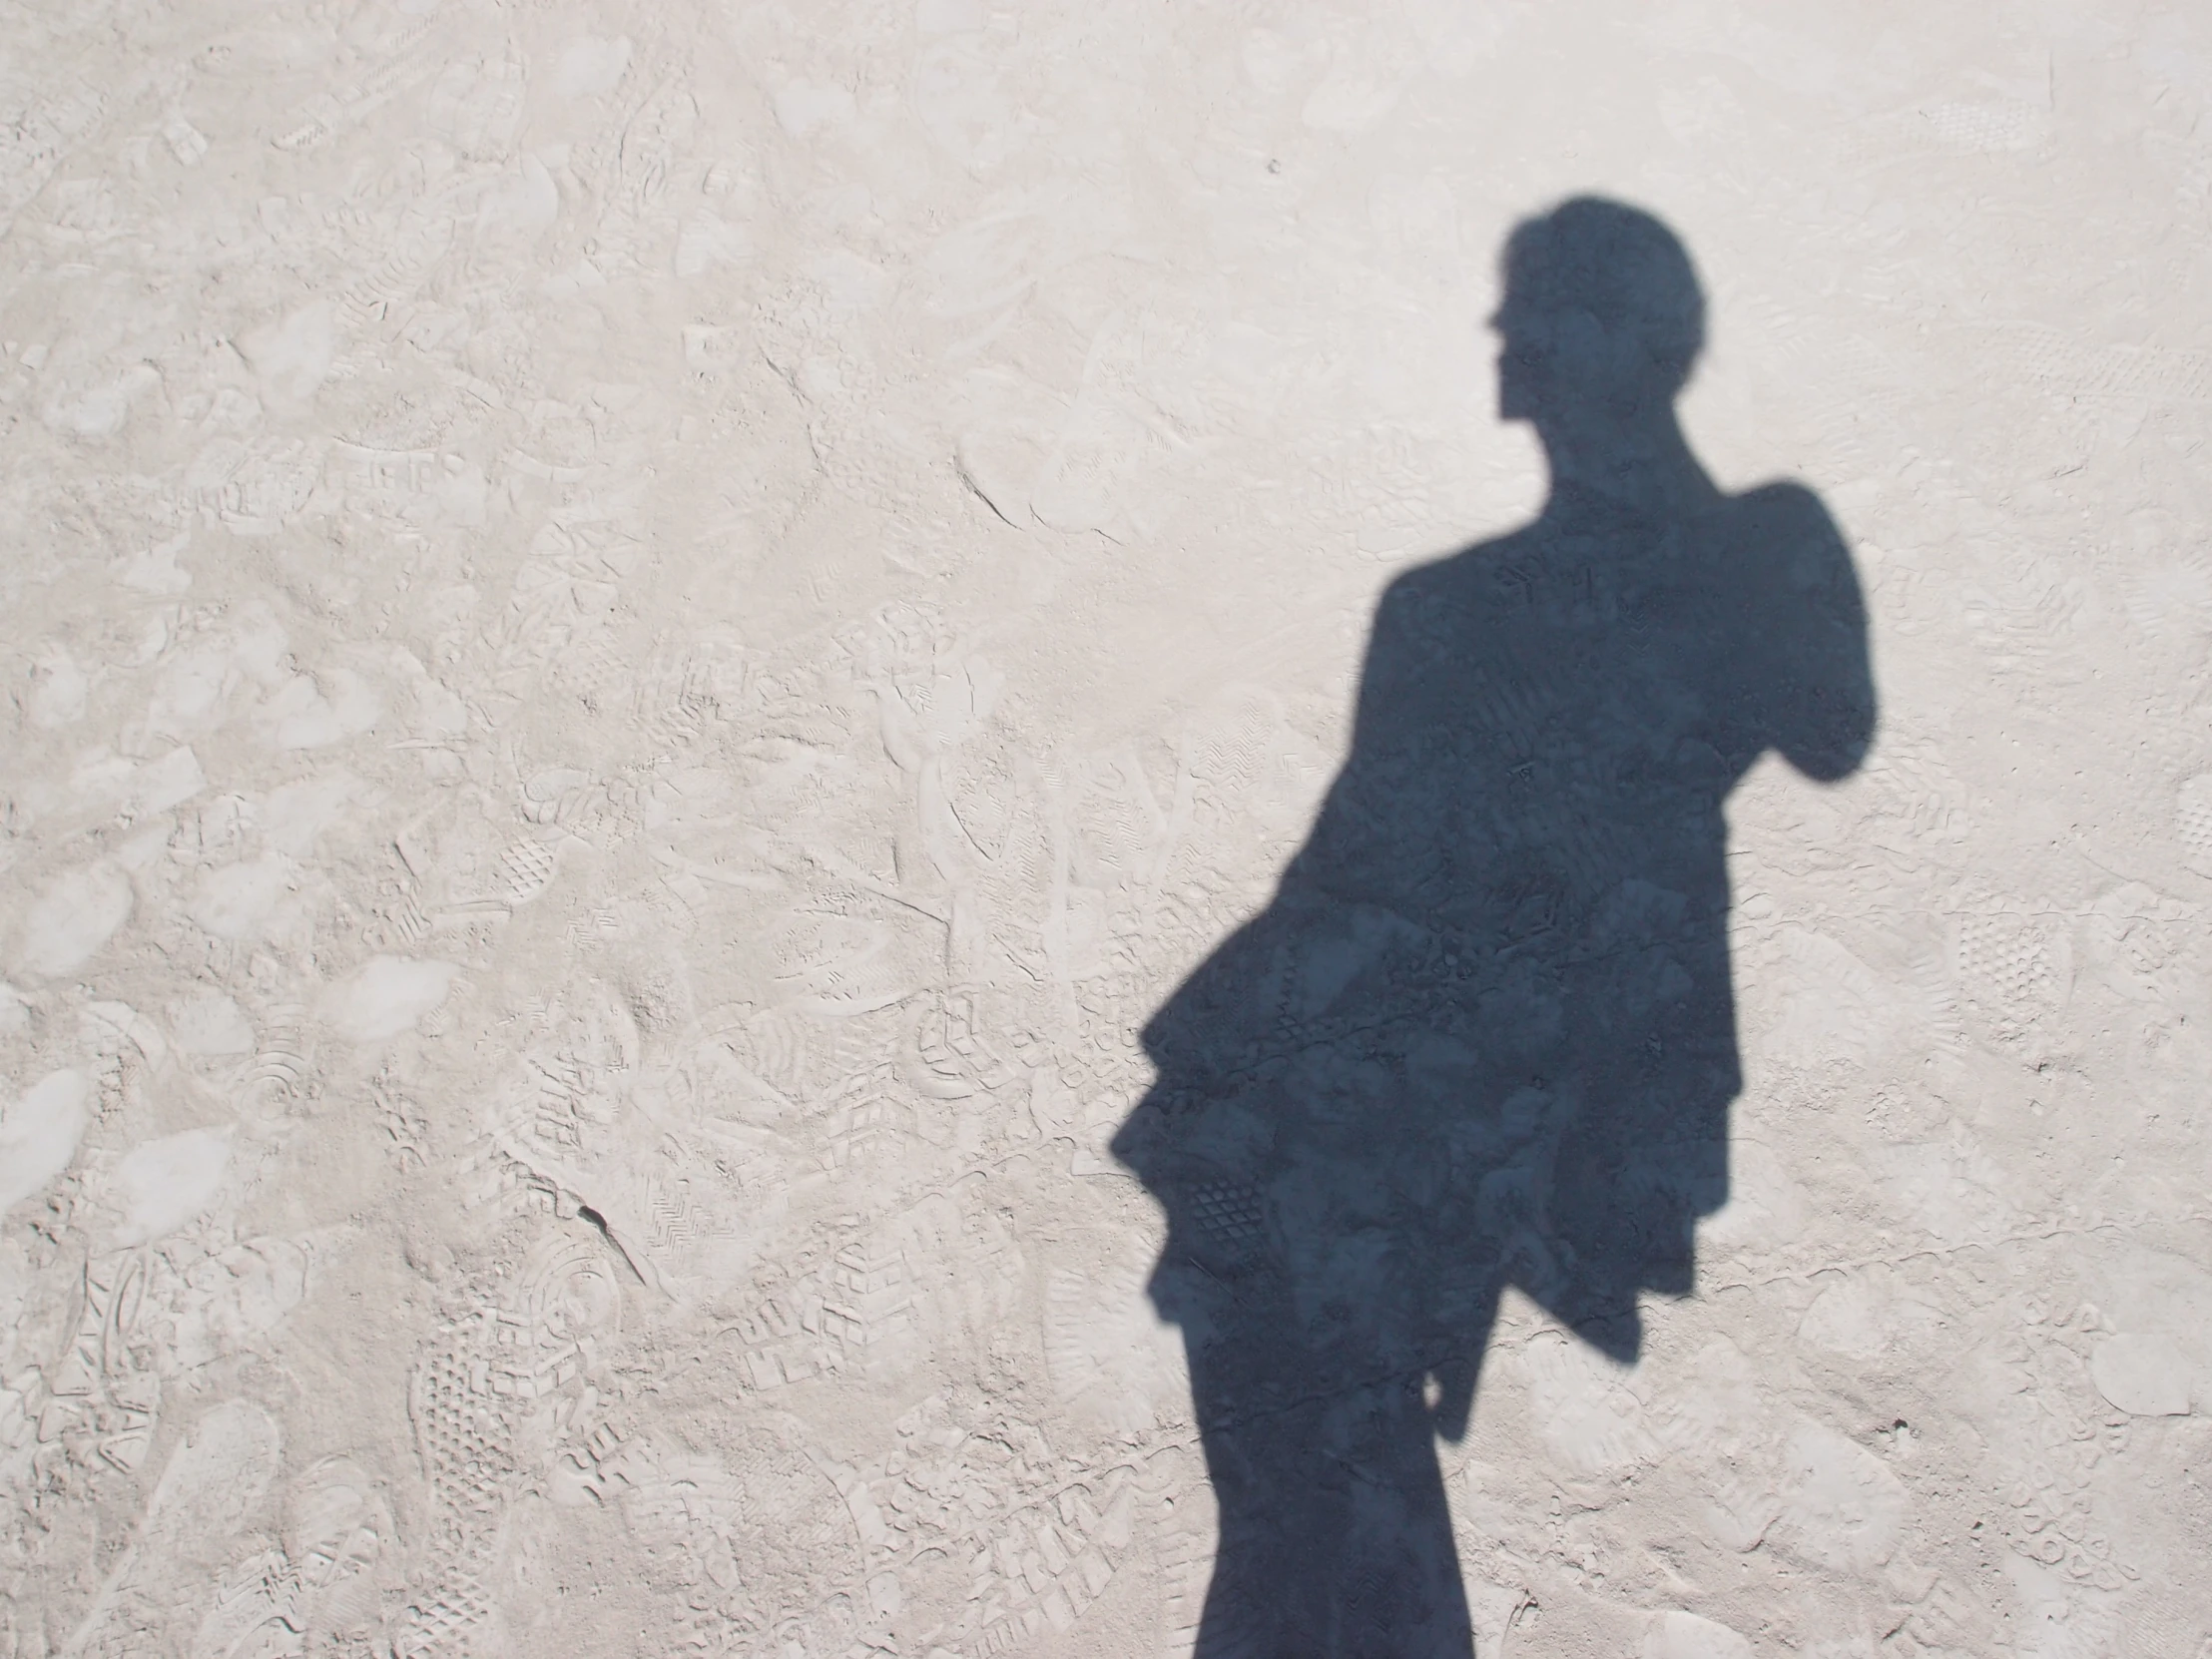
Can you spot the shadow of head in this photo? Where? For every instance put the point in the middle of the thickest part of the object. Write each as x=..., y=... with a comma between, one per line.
x=1602, y=320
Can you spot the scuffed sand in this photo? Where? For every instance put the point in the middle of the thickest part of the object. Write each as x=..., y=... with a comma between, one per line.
x=642, y=638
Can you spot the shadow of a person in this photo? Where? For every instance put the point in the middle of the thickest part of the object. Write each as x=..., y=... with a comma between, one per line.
x=1485, y=1034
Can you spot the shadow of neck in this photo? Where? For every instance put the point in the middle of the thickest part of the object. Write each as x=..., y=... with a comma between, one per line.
x=1640, y=464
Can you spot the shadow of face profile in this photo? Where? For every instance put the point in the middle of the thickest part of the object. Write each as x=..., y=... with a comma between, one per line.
x=1601, y=321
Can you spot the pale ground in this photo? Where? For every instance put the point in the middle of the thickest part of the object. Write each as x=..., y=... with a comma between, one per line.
x=639, y=637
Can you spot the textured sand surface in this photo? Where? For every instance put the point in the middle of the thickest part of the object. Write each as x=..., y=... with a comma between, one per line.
x=642, y=639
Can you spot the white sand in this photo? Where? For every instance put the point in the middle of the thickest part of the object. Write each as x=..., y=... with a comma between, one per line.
x=640, y=638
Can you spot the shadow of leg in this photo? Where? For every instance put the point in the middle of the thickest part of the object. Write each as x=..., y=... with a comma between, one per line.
x=1335, y=1538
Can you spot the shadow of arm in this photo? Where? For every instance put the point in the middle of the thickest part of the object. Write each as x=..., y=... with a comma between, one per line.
x=1815, y=625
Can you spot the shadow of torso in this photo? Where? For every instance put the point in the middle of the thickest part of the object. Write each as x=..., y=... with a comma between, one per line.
x=1485, y=1033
